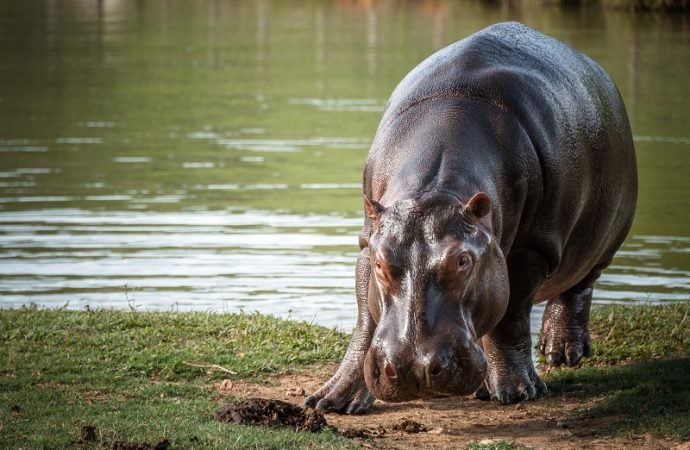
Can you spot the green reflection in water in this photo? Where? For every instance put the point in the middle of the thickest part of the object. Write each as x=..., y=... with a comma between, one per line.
x=146, y=105
x=271, y=105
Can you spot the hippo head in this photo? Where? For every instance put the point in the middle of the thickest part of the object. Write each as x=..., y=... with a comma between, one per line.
x=439, y=283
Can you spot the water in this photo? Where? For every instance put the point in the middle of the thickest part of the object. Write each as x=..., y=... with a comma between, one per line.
x=207, y=155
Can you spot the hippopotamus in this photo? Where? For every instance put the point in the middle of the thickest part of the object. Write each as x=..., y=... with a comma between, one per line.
x=502, y=174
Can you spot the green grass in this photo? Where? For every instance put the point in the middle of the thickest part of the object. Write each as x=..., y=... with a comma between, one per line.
x=650, y=392
x=156, y=345
x=125, y=374
x=129, y=375
x=624, y=333
x=644, y=397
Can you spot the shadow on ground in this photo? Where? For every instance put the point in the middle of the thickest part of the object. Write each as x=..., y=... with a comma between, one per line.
x=644, y=397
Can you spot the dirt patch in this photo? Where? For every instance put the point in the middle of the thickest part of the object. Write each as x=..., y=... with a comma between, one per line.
x=121, y=445
x=410, y=426
x=87, y=434
x=362, y=433
x=454, y=422
x=273, y=413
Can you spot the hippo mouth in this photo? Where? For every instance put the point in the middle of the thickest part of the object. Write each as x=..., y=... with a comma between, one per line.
x=403, y=379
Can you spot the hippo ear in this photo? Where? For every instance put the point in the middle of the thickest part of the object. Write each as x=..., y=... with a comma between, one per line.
x=373, y=209
x=478, y=206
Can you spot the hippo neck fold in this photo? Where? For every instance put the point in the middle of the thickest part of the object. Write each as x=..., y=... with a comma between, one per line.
x=446, y=145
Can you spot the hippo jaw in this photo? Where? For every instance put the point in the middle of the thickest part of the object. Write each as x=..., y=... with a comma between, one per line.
x=439, y=283
x=401, y=374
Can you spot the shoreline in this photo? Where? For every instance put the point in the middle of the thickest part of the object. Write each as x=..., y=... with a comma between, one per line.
x=145, y=377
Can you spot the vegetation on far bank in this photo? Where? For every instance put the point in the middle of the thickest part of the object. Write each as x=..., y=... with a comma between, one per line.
x=632, y=5
x=141, y=377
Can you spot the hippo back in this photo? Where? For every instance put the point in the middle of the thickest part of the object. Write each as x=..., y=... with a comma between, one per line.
x=576, y=123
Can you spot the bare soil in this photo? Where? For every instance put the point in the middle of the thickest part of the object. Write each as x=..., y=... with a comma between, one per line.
x=272, y=413
x=453, y=422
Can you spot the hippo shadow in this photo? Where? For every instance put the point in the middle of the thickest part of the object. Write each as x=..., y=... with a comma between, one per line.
x=647, y=396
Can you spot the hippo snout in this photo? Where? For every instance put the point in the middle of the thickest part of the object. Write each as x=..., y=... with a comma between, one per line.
x=408, y=374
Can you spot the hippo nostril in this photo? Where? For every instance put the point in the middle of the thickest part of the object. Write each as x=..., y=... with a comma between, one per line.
x=389, y=370
x=436, y=368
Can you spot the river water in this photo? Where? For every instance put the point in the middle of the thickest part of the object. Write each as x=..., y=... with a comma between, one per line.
x=207, y=155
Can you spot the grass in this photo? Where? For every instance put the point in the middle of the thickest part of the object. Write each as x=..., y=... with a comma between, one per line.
x=633, y=333
x=644, y=397
x=128, y=374
x=638, y=373
x=133, y=377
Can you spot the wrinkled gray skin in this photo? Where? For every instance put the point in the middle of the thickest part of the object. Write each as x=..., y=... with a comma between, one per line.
x=502, y=174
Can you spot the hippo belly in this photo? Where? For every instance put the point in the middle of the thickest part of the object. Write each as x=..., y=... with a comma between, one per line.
x=502, y=174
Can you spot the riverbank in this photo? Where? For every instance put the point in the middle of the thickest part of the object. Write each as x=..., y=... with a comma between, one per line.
x=675, y=6
x=117, y=379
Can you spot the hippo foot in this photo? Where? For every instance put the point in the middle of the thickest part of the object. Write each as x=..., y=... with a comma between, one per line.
x=564, y=345
x=565, y=327
x=342, y=395
x=512, y=388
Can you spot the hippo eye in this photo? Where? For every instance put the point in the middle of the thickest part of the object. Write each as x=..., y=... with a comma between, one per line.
x=379, y=261
x=464, y=261
x=382, y=272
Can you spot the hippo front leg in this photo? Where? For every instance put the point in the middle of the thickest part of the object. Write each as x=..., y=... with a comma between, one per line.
x=346, y=392
x=511, y=375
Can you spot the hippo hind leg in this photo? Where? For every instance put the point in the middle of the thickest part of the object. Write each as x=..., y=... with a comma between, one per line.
x=564, y=337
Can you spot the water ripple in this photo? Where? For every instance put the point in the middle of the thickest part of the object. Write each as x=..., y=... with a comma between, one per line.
x=301, y=266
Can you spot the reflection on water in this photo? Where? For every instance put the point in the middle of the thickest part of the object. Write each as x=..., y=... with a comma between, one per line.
x=340, y=104
x=209, y=156
x=229, y=261
x=283, y=264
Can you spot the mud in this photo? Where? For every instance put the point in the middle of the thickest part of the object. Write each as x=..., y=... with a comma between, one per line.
x=277, y=413
x=87, y=434
x=121, y=445
x=410, y=426
x=455, y=422
x=273, y=413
